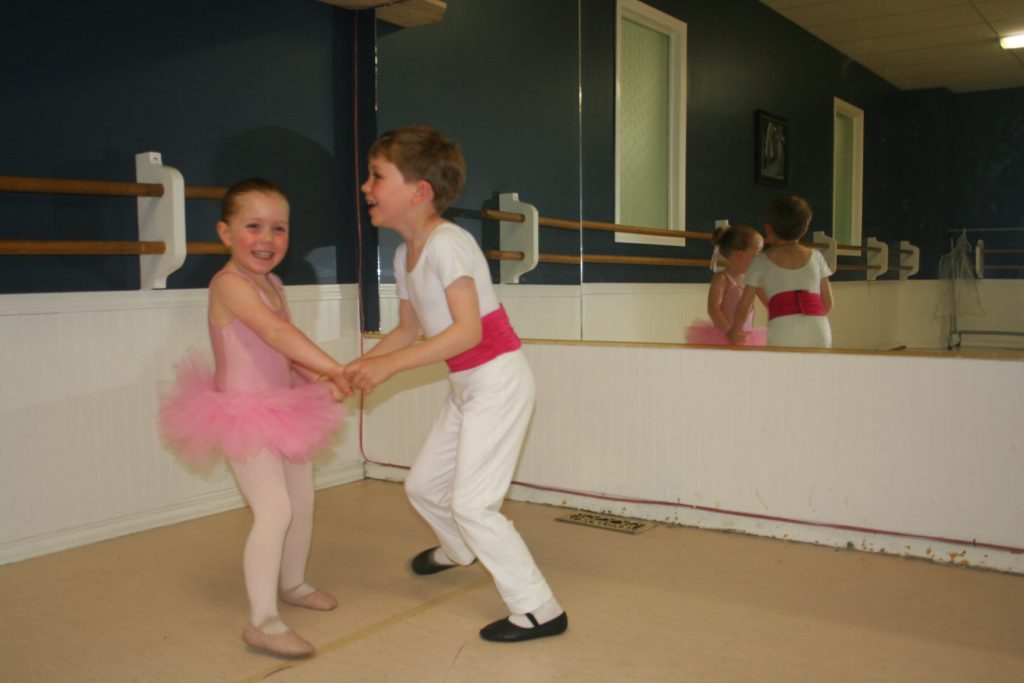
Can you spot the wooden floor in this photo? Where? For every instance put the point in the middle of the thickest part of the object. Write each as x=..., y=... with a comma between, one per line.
x=671, y=604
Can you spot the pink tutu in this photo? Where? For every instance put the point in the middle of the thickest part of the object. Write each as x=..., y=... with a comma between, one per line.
x=201, y=423
x=705, y=332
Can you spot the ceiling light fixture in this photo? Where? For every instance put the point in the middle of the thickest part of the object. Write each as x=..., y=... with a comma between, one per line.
x=1012, y=42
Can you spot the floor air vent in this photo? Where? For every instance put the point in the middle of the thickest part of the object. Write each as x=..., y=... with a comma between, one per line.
x=610, y=522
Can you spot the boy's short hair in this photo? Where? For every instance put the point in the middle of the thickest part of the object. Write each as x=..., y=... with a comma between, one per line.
x=422, y=153
x=789, y=216
x=229, y=205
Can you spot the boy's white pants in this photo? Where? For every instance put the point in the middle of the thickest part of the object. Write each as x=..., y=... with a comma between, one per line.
x=464, y=468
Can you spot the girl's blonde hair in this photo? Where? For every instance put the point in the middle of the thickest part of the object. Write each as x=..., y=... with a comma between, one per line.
x=734, y=238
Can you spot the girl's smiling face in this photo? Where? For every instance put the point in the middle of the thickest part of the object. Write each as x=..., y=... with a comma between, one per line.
x=257, y=232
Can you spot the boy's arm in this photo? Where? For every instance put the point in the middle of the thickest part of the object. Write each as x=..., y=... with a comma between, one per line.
x=826, y=294
x=403, y=335
x=715, y=294
x=463, y=334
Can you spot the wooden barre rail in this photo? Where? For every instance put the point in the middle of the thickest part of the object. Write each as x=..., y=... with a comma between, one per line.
x=102, y=188
x=598, y=258
x=563, y=224
x=99, y=248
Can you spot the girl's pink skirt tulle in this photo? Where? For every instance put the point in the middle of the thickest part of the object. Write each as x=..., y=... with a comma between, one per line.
x=705, y=332
x=200, y=423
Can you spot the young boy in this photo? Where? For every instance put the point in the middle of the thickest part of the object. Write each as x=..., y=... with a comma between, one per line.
x=464, y=468
x=793, y=278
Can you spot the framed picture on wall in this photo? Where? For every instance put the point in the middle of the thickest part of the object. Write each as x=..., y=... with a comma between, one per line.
x=771, y=153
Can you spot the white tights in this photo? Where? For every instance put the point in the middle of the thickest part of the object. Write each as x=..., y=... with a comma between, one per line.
x=280, y=494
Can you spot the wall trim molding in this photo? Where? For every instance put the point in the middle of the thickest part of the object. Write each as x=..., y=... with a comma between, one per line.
x=193, y=508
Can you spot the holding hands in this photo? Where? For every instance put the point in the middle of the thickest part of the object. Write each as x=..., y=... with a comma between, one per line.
x=340, y=386
x=366, y=373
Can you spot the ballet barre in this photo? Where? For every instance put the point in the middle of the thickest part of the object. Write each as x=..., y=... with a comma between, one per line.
x=518, y=251
x=981, y=251
x=160, y=195
x=876, y=252
x=100, y=248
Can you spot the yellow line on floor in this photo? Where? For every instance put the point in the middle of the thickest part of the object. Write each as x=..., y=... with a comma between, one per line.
x=371, y=629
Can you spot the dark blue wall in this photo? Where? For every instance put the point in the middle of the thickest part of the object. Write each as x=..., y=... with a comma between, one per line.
x=501, y=78
x=741, y=57
x=284, y=88
x=224, y=90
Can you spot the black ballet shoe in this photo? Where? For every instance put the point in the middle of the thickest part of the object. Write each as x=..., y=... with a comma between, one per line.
x=423, y=564
x=504, y=631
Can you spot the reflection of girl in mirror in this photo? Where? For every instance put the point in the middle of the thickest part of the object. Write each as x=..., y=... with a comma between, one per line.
x=794, y=279
x=739, y=245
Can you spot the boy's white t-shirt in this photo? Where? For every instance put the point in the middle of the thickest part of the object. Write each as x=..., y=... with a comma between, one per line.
x=450, y=253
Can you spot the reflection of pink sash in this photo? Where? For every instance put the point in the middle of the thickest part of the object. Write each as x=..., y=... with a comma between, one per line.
x=497, y=337
x=797, y=301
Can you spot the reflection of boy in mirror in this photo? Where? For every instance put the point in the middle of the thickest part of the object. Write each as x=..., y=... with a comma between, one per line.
x=739, y=244
x=793, y=278
x=464, y=468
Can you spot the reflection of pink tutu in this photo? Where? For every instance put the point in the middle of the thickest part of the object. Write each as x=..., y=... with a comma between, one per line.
x=705, y=332
x=200, y=422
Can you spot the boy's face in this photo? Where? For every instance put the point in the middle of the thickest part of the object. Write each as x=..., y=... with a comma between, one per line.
x=388, y=195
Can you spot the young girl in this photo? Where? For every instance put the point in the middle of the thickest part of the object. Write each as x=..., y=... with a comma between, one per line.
x=459, y=479
x=794, y=279
x=264, y=407
x=739, y=244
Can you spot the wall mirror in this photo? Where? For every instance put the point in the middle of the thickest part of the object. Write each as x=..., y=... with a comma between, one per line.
x=501, y=78
x=644, y=114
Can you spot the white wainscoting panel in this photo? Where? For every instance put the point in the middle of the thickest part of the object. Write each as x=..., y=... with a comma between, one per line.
x=911, y=455
x=80, y=456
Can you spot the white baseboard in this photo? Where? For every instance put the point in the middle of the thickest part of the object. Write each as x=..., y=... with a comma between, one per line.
x=202, y=506
x=936, y=550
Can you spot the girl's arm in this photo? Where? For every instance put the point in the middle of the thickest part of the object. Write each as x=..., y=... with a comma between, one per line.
x=736, y=333
x=464, y=333
x=716, y=292
x=234, y=297
x=826, y=294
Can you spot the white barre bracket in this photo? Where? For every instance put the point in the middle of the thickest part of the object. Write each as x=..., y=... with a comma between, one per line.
x=161, y=219
x=909, y=263
x=518, y=237
x=878, y=258
x=830, y=253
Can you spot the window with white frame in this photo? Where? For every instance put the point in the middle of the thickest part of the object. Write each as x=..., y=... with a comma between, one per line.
x=650, y=122
x=847, y=173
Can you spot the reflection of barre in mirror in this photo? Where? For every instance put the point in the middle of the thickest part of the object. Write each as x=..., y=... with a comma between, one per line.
x=161, y=195
x=520, y=237
x=962, y=296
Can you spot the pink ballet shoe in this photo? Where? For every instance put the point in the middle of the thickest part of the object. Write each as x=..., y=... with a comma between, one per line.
x=318, y=599
x=288, y=644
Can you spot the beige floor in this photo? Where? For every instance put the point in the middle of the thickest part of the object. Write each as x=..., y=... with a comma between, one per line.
x=671, y=604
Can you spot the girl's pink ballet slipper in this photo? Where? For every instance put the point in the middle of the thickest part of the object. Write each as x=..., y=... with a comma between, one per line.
x=287, y=644
x=318, y=600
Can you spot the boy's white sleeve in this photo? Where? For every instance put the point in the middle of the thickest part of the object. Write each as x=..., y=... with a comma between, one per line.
x=454, y=256
x=399, y=268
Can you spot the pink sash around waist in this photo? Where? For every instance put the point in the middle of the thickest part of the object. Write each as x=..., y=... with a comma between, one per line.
x=497, y=337
x=795, y=302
